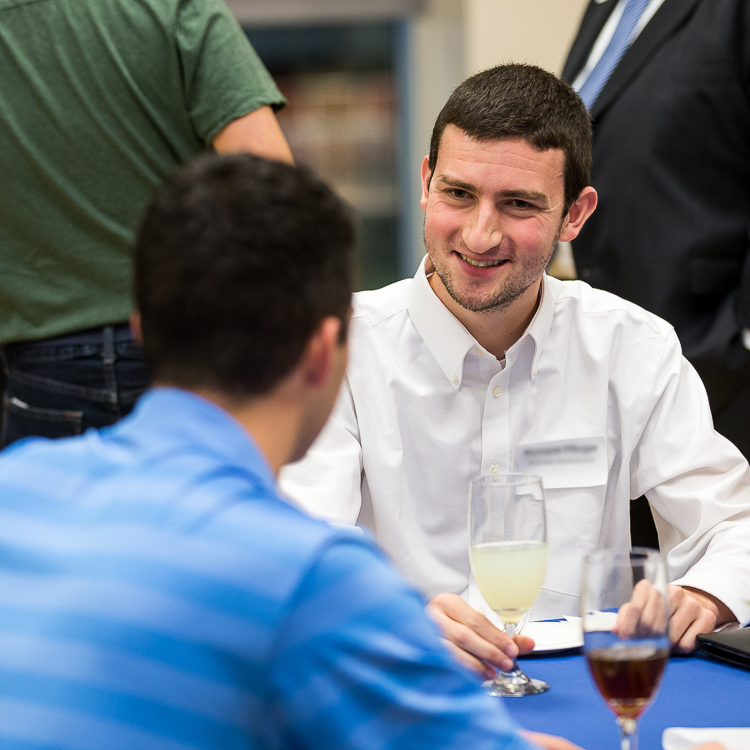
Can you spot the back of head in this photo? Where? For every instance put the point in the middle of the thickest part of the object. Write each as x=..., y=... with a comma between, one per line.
x=522, y=101
x=238, y=260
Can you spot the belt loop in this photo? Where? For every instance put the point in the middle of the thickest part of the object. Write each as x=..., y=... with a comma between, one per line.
x=108, y=355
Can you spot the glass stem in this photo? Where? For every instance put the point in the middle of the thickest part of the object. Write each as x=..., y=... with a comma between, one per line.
x=628, y=733
x=510, y=630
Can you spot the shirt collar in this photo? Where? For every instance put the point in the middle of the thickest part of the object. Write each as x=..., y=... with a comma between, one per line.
x=166, y=418
x=541, y=324
x=447, y=339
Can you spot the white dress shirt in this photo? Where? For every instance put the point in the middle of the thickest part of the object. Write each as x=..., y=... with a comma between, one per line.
x=424, y=409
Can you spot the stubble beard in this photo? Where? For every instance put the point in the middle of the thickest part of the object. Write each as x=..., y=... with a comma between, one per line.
x=506, y=294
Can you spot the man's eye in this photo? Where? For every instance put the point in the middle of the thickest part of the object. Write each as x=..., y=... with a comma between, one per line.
x=458, y=193
x=520, y=204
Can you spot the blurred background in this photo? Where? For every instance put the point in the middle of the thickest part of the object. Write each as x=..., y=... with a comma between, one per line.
x=365, y=80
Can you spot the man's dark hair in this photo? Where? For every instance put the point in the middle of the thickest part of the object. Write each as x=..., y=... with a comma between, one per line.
x=237, y=261
x=522, y=101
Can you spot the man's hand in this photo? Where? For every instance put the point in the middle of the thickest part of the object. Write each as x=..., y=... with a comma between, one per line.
x=473, y=639
x=549, y=741
x=645, y=615
x=694, y=612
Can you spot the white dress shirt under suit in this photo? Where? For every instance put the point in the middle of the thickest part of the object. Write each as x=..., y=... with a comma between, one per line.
x=425, y=408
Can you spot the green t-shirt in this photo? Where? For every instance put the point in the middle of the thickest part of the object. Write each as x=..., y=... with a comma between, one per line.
x=99, y=101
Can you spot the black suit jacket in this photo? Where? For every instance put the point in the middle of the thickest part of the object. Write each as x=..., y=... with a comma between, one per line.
x=672, y=169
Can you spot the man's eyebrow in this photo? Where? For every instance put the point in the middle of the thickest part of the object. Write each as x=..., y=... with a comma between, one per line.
x=534, y=196
x=456, y=183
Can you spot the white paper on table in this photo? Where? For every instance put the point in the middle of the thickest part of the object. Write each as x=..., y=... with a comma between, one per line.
x=555, y=635
x=685, y=738
x=598, y=620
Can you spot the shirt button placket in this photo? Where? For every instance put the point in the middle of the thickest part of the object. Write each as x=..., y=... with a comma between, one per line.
x=497, y=456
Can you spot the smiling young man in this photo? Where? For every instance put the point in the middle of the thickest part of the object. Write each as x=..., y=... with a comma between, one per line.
x=494, y=210
x=482, y=364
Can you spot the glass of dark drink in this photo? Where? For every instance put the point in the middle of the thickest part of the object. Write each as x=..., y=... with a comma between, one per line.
x=625, y=610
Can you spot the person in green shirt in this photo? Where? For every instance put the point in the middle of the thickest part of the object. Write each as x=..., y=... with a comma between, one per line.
x=99, y=101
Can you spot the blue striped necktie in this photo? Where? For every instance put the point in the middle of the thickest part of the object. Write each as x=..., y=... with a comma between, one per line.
x=615, y=50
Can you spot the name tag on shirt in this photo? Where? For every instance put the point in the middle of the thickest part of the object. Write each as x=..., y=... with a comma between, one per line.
x=581, y=462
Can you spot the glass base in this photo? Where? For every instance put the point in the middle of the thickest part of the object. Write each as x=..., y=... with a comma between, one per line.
x=514, y=684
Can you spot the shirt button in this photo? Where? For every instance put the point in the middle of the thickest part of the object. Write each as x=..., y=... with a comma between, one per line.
x=497, y=391
x=479, y=352
x=495, y=469
x=454, y=380
x=534, y=371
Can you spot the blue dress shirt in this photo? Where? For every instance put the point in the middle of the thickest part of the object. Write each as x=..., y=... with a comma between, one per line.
x=155, y=593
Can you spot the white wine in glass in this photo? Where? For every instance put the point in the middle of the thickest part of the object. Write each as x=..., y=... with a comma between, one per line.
x=625, y=610
x=508, y=553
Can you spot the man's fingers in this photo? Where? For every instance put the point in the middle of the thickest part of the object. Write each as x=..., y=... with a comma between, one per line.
x=688, y=627
x=473, y=633
x=465, y=638
x=654, y=618
x=689, y=618
x=457, y=609
x=630, y=614
x=548, y=741
x=525, y=644
x=485, y=671
x=687, y=643
x=645, y=614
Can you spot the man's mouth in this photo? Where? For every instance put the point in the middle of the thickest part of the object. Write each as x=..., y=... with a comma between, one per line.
x=480, y=263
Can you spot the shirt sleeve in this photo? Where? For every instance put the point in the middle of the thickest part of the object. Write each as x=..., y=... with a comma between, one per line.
x=327, y=482
x=698, y=485
x=360, y=665
x=223, y=77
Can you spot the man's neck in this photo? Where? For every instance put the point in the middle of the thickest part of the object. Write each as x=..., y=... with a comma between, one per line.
x=495, y=330
x=272, y=422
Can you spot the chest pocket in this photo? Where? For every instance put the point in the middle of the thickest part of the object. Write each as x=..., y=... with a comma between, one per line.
x=574, y=474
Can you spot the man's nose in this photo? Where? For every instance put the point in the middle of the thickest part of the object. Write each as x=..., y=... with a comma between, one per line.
x=483, y=232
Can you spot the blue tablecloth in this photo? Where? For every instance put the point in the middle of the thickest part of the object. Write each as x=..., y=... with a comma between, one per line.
x=696, y=692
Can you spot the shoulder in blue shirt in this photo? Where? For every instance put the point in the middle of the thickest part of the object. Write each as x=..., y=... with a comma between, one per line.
x=156, y=593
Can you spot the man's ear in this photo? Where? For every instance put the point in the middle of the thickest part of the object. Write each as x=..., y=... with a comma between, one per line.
x=579, y=212
x=319, y=355
x=135, y=327
x=425, y=177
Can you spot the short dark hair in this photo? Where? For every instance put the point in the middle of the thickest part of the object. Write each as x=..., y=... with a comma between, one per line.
x=237, y=261
x=522, y=101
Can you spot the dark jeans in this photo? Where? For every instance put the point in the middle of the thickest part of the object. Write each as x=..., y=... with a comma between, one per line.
x=62, y=386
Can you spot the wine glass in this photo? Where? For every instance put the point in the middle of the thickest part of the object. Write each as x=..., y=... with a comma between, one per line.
x=508, y=553
x=625, y=610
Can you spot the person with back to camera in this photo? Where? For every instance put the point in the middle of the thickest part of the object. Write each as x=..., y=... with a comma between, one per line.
x=99, y=101
x=157, y=591
x=482, y=364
